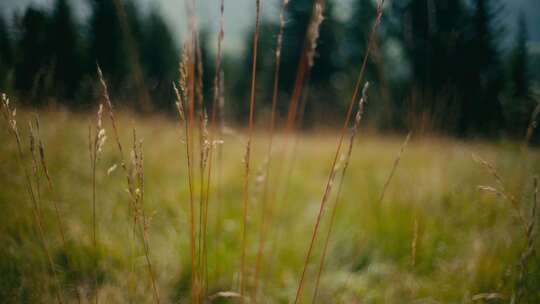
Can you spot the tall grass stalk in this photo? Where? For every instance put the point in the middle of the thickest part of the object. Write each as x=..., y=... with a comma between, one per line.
x=144, y=222
x=96, y=141
x=9, y=114
x=189, y=86
x=211, y=143
x=247, y=156
x=183, y=96
x=135, y=184
x=267, y=213
x=331, y=175
x=35, y=132
x=203, y=153
x=306, y=62
x=354, y=131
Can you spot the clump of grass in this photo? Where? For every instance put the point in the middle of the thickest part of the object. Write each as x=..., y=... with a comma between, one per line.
x=184, y=95
x=191, y=93
x=135, y=184
x=502, y=190
x=10, y=116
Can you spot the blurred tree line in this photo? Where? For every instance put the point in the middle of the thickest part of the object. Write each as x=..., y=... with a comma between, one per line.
x=49, y=55
x=437, y=65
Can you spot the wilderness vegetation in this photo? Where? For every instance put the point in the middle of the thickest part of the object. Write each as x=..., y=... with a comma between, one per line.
x=438, y=65
x=139, y=170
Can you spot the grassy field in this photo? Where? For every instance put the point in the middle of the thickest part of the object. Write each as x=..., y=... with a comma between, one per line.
x=434, y=238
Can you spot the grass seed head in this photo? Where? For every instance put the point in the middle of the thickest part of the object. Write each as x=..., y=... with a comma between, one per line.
x=314, y=33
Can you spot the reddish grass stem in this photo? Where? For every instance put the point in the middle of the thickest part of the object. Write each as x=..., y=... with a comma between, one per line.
x=331, y=175
x=354, y=131
x=217, y=93
x=267, y=215
x=248, y=153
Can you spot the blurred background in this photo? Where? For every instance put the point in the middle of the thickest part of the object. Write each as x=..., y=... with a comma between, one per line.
x=453, y=67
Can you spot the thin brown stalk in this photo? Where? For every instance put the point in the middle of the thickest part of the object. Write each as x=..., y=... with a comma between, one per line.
x=354, y=131
x=217, y=130
x=138, y=167
x=190, y=90
x=267, y=214
x=9, y=115
x=298, y=98
x=394, y=167
x=96, y=141
x=331, y=175
x=218, y=89
x=248, y=152
x=184, y=95
x=202, y=153
x=306, y=62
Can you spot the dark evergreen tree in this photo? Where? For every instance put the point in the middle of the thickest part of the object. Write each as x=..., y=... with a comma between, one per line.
x=160, y=59
x=265, y=70
x=67, y=58
x=519, y=62
x=358, y=30
x=6, y=54
x=452, y=47
x=33, y=70
x=324, y=81
x=518, y=103
x=482, y=112
x=433, y=34
x=116, y=38
x=108, y=42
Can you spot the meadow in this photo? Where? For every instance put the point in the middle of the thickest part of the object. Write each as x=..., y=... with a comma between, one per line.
x=435, y=237
x=115, y=205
